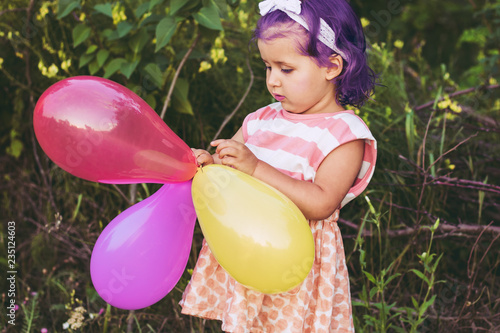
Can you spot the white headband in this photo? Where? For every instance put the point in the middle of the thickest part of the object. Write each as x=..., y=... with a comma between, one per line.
x=293, y=8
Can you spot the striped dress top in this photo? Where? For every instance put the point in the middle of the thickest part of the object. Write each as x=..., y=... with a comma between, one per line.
x=295, y=144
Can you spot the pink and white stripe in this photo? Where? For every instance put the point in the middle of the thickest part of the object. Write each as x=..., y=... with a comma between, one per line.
x=296, y=144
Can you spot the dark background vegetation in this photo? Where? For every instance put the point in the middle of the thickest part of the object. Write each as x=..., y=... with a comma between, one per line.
x=422, y=242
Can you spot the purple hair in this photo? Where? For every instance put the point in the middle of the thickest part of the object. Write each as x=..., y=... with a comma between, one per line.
x=356, y=82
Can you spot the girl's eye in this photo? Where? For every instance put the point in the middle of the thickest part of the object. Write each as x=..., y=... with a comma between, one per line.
x=268, y=68
x=286, y=70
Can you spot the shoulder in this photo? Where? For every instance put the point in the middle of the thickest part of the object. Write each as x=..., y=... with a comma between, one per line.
x=347, y=126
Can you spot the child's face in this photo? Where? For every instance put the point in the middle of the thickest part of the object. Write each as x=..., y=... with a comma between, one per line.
x=296, y=80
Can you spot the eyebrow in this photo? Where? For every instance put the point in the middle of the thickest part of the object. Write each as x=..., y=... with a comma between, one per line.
x=281, y=63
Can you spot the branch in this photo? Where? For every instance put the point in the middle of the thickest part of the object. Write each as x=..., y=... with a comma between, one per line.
x=455, y=94
x=176, y=75
x=231, y=115
x=449, y=229
x=13, y=10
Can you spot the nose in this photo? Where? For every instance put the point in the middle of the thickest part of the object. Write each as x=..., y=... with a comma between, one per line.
x=273, y=79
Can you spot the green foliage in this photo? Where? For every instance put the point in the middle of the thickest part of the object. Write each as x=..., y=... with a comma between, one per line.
x=421, y=246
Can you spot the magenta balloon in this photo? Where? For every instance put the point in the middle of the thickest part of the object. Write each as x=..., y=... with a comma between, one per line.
x=141, y=254
x=98, y=130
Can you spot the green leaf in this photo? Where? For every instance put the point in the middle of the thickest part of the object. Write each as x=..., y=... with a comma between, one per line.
x=154, y=74
x=424, y=306
x=77, y=208
x=151, y=100
x=113, y=66
x=85, y=59
x=180, y=97
x=153, y=3
x=373, y=291
x=80, y=34
x=123, y=28
x=91, y=49
x=415, y=303
x=94, y=67
x=208, y=16
x=370, y=277
x=392, y=277
x=127, y=68
x=421, y=275
x=164, y=32
x=104, y=8
x=138, y=42
x=15, y=149
x=141, y=9
x=175, y=5
x=64, y=7
x=102, y=56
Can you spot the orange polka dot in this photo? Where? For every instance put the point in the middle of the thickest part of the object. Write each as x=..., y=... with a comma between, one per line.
x=267, y=301
x=203, y=291
x=197, y=278
x=251, y=312
x=278, y=302
x=326, y=268
x=273, y=314
x=252, y=298
x=297, y=324
x=288, y=311
x=220, y=291
x=327, y=291
x=334, y=324
x=221, y=276
x=281, y=325
x=338, y=298
x=270, y=328
x=211, y=299
x=323, y=319
x=309, y=320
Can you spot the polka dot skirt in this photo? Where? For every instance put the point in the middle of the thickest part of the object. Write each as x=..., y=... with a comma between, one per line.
x=321, y=303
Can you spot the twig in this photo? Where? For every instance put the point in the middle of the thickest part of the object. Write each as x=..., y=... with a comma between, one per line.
x=122, y=194
x=13, y=10
x=473, y=275
x=449, y=229
x=231, y=115
x=176, y=75
x=450, y=150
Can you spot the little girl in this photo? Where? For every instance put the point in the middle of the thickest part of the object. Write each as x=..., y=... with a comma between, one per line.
x=312, y=149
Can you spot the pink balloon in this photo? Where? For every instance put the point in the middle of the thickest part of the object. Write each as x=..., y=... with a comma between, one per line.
x=99, y=130
x=141, y=254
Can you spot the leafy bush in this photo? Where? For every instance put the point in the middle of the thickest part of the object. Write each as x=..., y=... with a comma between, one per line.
x=420, y=241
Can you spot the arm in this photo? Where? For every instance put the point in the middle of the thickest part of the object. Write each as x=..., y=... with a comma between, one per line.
x=317, y=200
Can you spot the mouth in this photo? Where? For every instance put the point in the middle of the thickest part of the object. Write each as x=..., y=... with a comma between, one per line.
x=279, y=98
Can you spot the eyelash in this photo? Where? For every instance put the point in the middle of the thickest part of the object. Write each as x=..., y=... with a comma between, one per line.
x=284, y=70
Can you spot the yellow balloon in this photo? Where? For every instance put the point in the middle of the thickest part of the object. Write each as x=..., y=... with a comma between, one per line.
x=256, y=233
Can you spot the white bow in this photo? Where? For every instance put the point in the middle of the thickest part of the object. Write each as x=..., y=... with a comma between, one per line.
x=267, y=6
x=293, y=8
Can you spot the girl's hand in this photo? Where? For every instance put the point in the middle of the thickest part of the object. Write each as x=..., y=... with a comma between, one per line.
x=203, y=157
x=235, y=154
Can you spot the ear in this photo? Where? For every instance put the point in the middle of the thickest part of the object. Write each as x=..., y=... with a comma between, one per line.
x=335, y=68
